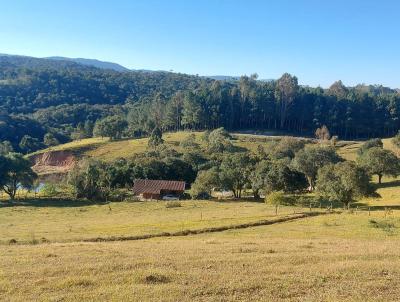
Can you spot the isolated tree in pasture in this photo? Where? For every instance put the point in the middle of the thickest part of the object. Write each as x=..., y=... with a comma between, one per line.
x=380, y=162
x=313, y=157
x=50, y=140
x=287, y=88
x=15, y=171
x=155, y=138
x=235, y=172
x=375, y=142
x=343, y=182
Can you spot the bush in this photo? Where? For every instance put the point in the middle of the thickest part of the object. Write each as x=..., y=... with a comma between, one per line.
x=49, y=190
x=275, y=198
x=173, y=204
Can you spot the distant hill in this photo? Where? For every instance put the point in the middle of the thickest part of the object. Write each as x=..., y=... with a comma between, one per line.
x=92, y=62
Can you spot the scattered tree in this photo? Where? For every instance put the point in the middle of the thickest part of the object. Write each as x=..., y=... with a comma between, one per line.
x=380, y=162
x=313, y=157
x=235, y=172
x=343, y=182
x=155, y=138
x=15, y=171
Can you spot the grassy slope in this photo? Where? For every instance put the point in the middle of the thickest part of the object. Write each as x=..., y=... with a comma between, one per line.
x=333, y=258
x=111, y=150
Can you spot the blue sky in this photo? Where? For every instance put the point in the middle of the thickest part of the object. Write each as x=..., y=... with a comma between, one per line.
x=318, y=41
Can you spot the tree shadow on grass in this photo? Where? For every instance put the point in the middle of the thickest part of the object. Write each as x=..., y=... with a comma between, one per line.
x=364, y=206
x=49, y=202
x=389, y=184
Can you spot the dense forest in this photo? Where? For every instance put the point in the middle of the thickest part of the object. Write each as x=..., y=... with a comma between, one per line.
x=64, y=100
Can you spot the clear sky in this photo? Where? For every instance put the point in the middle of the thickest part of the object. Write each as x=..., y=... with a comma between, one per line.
x=357, y=41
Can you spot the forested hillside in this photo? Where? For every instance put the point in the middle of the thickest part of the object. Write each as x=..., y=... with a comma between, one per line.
x=64, y=100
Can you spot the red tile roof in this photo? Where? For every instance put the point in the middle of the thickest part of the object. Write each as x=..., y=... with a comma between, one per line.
x=156, y=186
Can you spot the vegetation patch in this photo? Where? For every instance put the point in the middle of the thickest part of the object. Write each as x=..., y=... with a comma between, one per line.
x=173, y=204
x=384, y=225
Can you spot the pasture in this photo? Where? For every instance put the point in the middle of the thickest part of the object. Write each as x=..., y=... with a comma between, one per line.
x=336, y=257
x=347, y=255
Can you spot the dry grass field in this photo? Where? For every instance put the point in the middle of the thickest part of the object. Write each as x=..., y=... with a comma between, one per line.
x=330, y=258
x=344, y=256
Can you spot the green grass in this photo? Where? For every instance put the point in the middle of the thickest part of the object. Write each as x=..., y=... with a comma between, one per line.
x=349, y=150
x=65, y=221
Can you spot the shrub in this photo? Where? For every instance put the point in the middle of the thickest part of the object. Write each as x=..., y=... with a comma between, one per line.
x=173, y=204
x=276, y=199
x=49, y=190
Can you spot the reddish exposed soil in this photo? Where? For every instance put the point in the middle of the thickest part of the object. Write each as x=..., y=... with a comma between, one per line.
x=53, y=162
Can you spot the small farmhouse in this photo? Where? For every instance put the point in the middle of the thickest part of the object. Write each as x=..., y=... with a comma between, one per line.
x=156, y=189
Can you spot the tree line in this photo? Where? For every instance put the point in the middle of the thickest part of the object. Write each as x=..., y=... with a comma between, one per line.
x=66, y=99
x=215, y=163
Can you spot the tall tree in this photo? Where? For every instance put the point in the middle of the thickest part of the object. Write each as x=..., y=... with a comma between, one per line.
x=287, y=87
